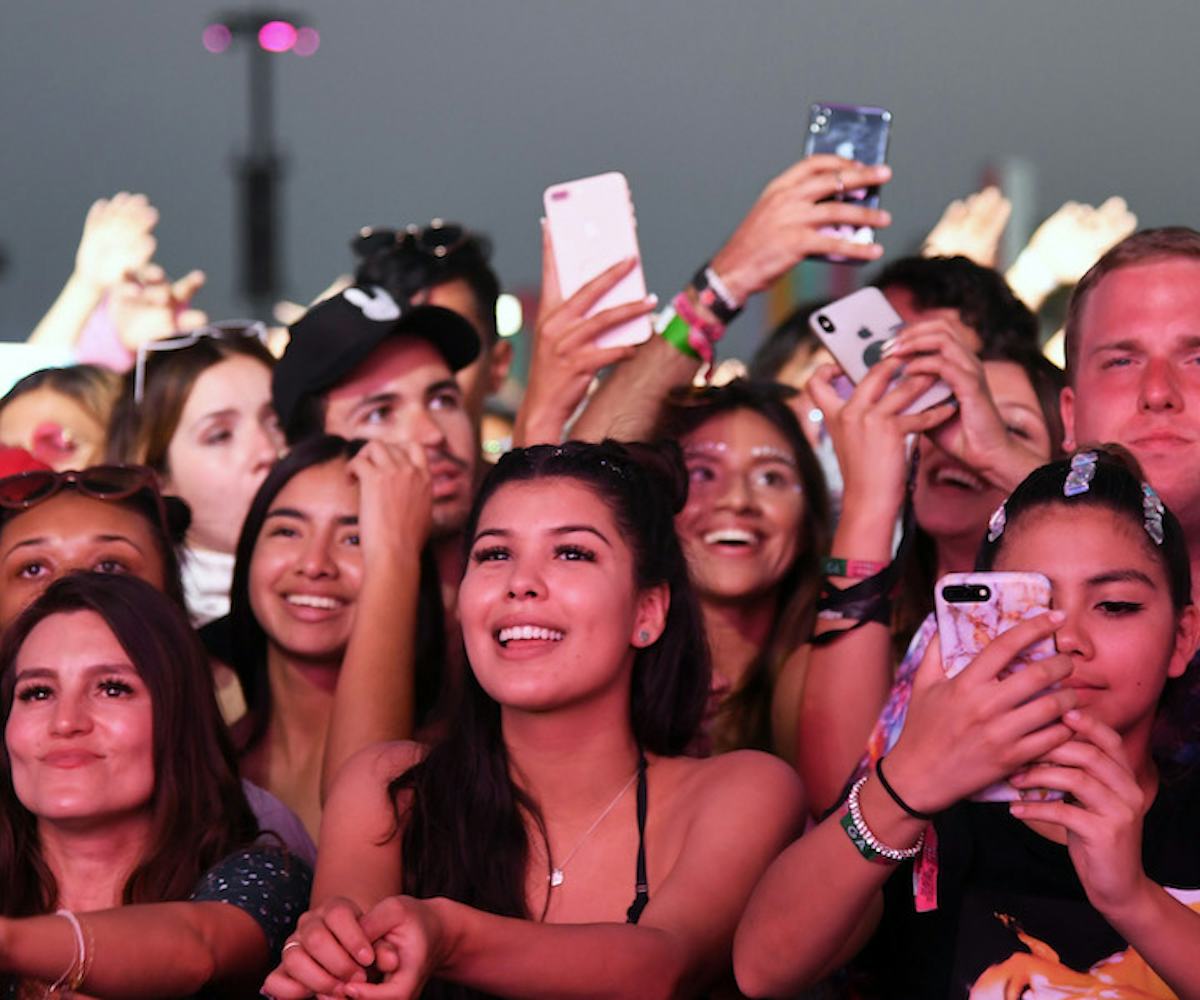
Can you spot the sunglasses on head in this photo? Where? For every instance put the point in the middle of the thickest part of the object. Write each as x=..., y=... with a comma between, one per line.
x=235, y=329
x=100, y=482
x=438, y=240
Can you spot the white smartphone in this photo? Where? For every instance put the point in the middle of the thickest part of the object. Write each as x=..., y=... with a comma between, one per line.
x=856, y=328
x=972, y=609
x=593, y=226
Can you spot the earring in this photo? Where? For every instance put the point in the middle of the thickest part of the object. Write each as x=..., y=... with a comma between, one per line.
x=644, y=637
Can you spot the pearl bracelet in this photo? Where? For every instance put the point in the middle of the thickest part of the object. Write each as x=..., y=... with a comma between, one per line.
x=867, y=844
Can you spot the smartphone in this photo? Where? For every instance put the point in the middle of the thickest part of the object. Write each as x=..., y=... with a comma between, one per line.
x=856, y=132
x=856, y=328
x=972, y=609
x=593, y=226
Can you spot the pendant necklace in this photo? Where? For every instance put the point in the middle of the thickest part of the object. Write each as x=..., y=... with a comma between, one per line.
x=556, y=873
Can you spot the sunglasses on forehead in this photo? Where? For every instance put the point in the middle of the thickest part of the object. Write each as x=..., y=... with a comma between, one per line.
x=438, y=240
x=234, y=329
x=100, y=482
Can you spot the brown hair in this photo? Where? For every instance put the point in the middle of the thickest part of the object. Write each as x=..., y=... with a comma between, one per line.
x=142, y=432
x=94, y=388
x=199, y=813
x=1140, y=248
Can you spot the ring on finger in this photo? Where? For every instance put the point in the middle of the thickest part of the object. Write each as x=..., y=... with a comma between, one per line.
x=290, y=944
x=840, y=183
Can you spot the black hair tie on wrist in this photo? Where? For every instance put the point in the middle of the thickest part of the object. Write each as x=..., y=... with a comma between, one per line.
x=895, y=796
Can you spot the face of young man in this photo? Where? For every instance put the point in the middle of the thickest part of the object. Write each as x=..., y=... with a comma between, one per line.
x=405, y=392
x=1136, y=376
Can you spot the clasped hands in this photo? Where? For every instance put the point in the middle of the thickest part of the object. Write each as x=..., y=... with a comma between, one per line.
x=386, y=953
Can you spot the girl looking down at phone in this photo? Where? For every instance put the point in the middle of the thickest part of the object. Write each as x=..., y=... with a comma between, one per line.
x=129, y=855
x=557, y=843
x=324, y=621
x=1003, y=421
x=1094, y=894
x=754, y=529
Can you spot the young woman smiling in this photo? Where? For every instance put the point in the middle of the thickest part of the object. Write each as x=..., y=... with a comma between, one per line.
x=590, y=858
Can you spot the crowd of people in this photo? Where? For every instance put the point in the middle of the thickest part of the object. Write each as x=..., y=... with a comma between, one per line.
x=305, y=695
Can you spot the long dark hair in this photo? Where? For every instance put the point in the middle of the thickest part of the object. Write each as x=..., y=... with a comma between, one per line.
x=461, y=815
x=249, y=641
x=746, y=713
x=199, y=813
x=1118, y=485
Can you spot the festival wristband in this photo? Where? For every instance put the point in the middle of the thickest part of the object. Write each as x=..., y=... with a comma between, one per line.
x=701, y=335
x=715, y=296
x=675, y=332
x=865, y=841
x=854, y=569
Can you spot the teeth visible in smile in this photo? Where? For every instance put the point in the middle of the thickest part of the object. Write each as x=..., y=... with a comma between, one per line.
x=314, y=601
x=729, y=536
x=958, y=477
x=513, y=632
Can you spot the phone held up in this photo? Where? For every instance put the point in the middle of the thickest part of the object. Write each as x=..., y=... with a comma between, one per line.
x=856, y=329
x=972, y=609
x=854, y=132
x=592, y=227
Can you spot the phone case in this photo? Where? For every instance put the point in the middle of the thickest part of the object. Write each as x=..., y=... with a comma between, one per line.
x=855, y=329
x=965, y=627
x=592, y=226
x=856, y=132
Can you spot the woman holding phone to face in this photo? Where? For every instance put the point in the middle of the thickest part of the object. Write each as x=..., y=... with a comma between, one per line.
x=1095, y=893
x=590, y=859
x=128, y=852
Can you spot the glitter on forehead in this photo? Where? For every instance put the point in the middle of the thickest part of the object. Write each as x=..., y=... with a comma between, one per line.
x=772, y=452
x=706, y=448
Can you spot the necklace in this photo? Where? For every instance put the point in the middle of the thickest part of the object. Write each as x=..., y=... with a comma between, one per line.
x=556, y=872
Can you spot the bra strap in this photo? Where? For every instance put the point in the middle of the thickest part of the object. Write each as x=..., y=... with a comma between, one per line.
x=642, y=886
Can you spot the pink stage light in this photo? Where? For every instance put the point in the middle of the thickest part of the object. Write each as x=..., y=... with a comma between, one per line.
x=308, y=40
x=277, y=36
x=216, y=38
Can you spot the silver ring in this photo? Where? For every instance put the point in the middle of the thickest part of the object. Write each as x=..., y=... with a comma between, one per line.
x=287, y=945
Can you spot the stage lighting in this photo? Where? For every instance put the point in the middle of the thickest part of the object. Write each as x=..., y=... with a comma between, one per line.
x=308, y=40
x=216, y=38
x=277, y=36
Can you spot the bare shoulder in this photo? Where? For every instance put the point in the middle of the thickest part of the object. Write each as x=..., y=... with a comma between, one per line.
x=745, y=780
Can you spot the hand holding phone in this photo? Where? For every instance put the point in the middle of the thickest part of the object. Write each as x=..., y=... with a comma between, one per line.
x=853, y=132
x=592, y=227
x=857, y=329
x=973, y=609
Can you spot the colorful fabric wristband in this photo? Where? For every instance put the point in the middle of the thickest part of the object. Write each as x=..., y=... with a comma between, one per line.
x=714, y=295
x=855, y=569
x=675, y=332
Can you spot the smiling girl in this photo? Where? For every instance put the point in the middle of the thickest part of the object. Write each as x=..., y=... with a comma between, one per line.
x=1092, y=895
x=556, y=843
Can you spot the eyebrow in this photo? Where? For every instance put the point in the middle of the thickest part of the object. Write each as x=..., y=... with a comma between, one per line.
x=300, y=515
x=228, y=411
x=45, y=540
x=1135, y=344
x=441, y=386
x=93, y=670
x=1122, y=576
x=390, y=398
x=564, y=529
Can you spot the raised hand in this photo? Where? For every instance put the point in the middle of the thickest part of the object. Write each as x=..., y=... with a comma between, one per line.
x=1068, y=243
x=970, y=227
x=976, y=434
x=565, y=355
x=147, y=305
x=969, y=731
x=396, y=498
x=117, y=238
x=784, y=225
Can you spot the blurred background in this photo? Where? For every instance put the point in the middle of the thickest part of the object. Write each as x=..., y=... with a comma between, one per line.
x=408, y=110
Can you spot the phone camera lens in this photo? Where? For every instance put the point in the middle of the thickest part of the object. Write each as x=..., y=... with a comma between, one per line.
x=825, y=323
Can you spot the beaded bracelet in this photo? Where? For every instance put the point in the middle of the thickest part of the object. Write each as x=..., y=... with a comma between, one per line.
x=865, y=842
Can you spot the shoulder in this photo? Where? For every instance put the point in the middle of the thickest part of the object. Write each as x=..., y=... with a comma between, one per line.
x=746, y=783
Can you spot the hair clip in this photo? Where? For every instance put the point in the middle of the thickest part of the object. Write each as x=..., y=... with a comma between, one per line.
x=1152, y=511
x=996, y=523
x=1079, y=479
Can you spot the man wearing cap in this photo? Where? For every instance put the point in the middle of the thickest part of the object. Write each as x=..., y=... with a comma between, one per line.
x=360, y=365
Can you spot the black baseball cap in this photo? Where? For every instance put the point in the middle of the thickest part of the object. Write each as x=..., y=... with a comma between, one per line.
x=337, y=334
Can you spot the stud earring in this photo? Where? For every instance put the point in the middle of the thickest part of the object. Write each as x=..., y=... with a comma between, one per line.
x=644, y=637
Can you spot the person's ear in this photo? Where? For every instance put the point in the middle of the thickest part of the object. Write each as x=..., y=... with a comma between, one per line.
x=1066, y=409
x=500, y=360
x=1187, y=636
x=651, y=618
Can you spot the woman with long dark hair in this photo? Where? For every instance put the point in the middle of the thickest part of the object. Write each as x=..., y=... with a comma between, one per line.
x=119, y=788
x=326, y=639
x=755, y=528
x=557, y=842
